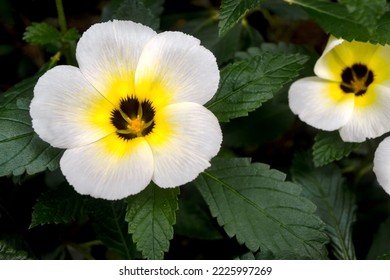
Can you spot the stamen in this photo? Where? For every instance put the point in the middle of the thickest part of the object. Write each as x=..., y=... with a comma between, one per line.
x=133, y=118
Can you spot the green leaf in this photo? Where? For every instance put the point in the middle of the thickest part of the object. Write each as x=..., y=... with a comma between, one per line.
x=366, y=12
x=21, y=149
x=329, y=147
x=62, y=205
x=43, y=34
x=245, y=85
x=108, y=220
x=380, y=245
x=349, y=23
x=143, y=11
x=194, y=219
x=8, y=253
x=232, y=11
x=384, y=257
x=336, y=206
x=151, y=215
x=264, y=212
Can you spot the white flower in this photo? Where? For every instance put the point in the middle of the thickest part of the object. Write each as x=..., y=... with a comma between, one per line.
x=382, y=164
x=132, y=112
x=350, y=92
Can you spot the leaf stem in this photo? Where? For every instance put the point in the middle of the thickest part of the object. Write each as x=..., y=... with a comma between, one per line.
x=67, y=48
x=61, y=16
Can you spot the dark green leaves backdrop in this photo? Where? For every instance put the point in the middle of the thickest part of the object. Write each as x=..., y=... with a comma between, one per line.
x=278, y=189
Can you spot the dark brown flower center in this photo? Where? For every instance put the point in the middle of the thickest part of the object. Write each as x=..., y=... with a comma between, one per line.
x=356, y=79
x=133, y=118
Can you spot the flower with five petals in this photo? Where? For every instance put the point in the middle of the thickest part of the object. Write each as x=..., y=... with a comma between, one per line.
x=350, y=92
x=131, y=112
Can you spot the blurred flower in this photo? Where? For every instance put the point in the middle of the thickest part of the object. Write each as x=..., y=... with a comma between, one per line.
x=350, y=92
x=132, y=112
x=382, y=164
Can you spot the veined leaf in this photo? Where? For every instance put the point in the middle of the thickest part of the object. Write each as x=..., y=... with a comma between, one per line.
x=336, y=19
x=108, y=220
x=151, y=215
x=43, y=34
x=264, y=212
x=329, y=147
x=335, y=203
x=8, y=253
x=21, y=149
x=63, y=205
x=247, y=84
x=232, y=11
x=366, y=12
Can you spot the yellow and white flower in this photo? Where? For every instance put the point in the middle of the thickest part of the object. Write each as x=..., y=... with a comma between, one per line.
x=350, y=92
x=132, y=112
x=382, y=164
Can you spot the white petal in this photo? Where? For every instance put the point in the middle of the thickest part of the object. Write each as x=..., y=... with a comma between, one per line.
x=108, y=54
x=102, y=172
x=176, y=63
x=322, y=68
x=382, y=164
x=320, y=103
x=193, y=138
x=369, y=121
x=67, y=111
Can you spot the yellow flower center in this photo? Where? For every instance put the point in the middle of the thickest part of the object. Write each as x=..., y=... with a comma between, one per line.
x=133, y=118
x=356, y=79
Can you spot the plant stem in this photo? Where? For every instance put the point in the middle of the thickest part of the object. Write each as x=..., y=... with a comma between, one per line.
x=61, y=17
x=67, y=48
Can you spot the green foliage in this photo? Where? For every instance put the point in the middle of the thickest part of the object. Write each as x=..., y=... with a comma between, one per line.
x=363, y=20
x=246, y=200
x=366, y=12
x=239, y=207
x=48, y=36
x=143, y=11
x=335, y=203
x=62, y=205
x=193, y=218
x=232, y=11
x=22, y=150
x=108, y=219
x=43, y=34
x=151, y=215
x=245, y=85
x=8, y=253
x=329, y=147
x=380, y=245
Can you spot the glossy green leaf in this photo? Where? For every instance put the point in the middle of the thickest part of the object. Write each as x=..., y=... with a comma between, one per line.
x=22, y=150
x=232, y=11
x=108, y=220
x=366, y=12
x=264, y=212
x=336, y=204
x=245, y=85
x=151, y=215
x=349, y=23
x=59, y=206
x=329, y=147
